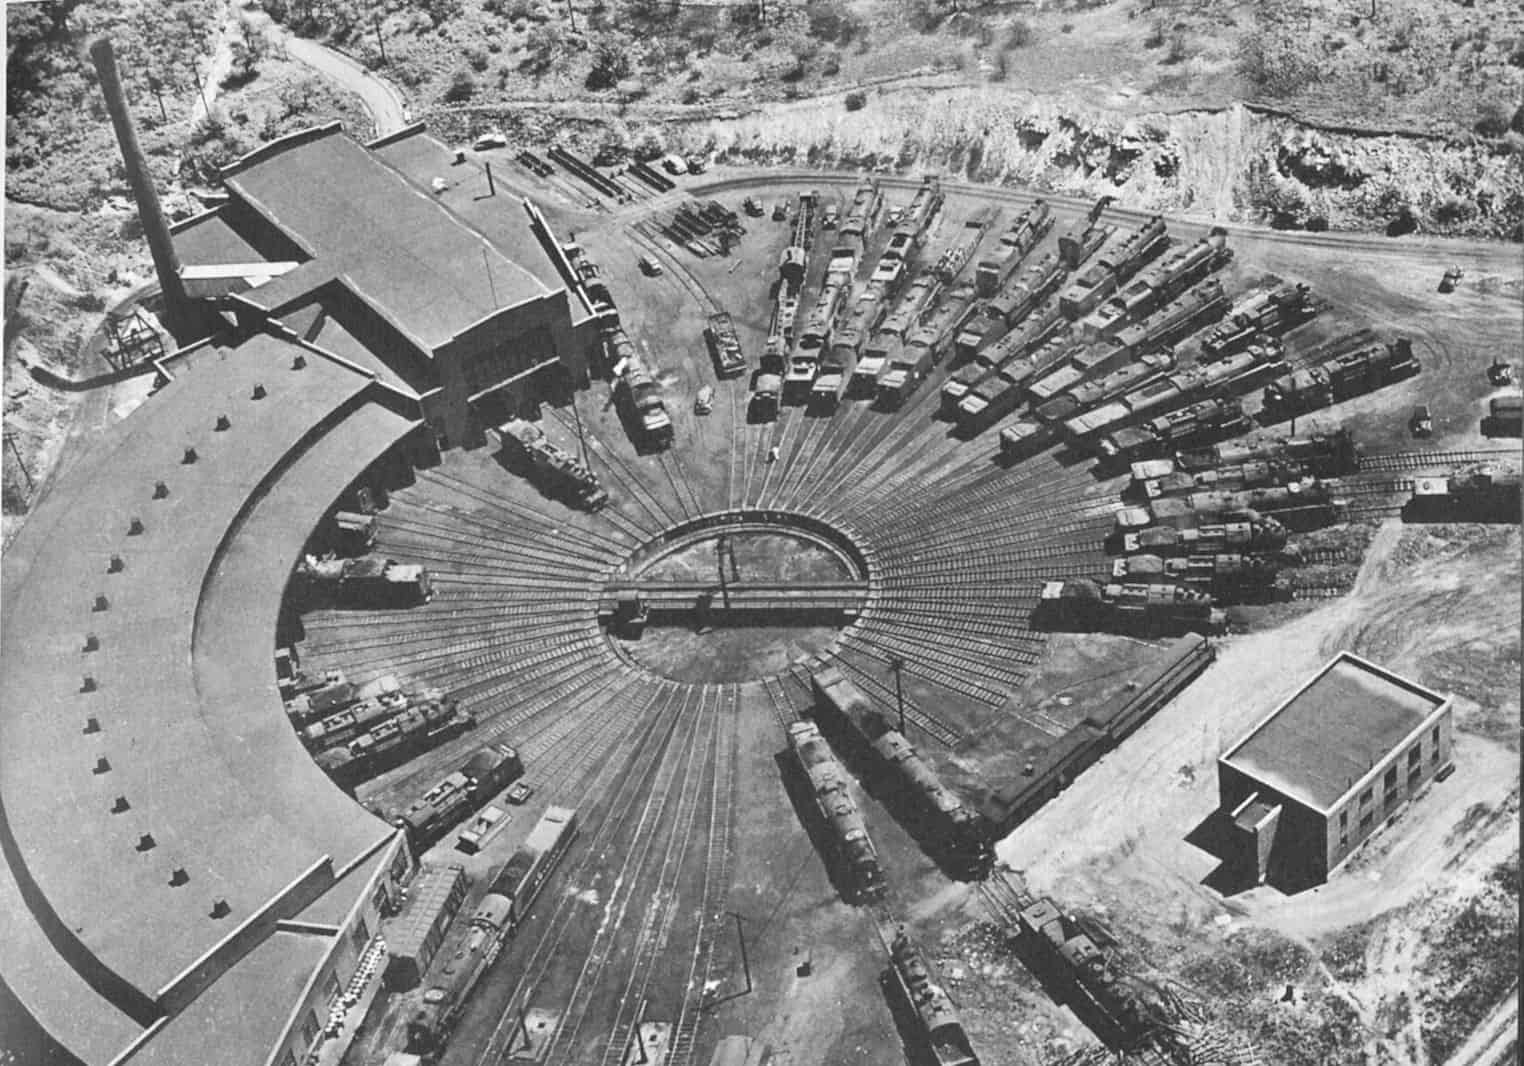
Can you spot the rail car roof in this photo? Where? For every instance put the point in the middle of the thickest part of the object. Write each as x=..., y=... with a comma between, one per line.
x=1319, y=744
x=186, y=723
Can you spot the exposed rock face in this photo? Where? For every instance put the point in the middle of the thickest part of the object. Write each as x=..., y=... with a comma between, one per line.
x=1227, y=165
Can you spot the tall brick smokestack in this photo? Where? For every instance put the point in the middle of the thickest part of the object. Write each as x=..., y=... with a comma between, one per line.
x=178, y=316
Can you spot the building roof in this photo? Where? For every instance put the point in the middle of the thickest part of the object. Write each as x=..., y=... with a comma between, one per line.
x=136, y=801
x=390, y=240
x=1321, y=743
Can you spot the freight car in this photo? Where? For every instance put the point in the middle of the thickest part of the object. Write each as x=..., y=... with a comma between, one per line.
x=1146, y=691
x=422, y=726
x=1019, y=238
x=853, y=852
x=936, y=1016
x=1128, y=608
x=851, y=719
x=1271, y=310
x=481, y=776
x=1160, y=477
x=497, y=916
x=1340, y=378
x=952, y=261
x=725, y=346
x=1257, y=534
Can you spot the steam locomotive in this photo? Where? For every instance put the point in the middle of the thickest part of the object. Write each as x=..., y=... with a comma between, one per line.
x=846, y=713
x=500, y=912
x=857, y=857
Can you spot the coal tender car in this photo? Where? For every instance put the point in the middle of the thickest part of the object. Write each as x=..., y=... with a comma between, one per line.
x=855, y=857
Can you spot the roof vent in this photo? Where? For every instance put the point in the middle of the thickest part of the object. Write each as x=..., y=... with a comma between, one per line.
x=87, y=684
x=92, y=725
x=220, y=908
x=299, y=362
x=259, y=392
x=223, y=423
x=178, y=877
x=135, y=527
x=116, y=565
x=102, y=766
x=146, y=842
x=160, y=490
x=101, y=603
x=190, y=455
x=92, y=642
x=121, y=805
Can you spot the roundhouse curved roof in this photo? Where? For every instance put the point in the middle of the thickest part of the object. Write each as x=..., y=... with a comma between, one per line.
x=157, y=812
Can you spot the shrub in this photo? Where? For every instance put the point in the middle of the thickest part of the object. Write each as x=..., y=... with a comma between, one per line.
x=1019, y=35
x=462, y=87
x=611, y=62
x=1176, y=51
x=477, y=57
x=1453, y=209
x=856, y=101
x=1493, y=121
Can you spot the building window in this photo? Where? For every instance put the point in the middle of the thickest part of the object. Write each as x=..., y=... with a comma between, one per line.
x=379, y=900
x=1366, y=821
x=1389, y=779
x=1434, y=736
x=1365, y=797
x=361, y=935
x=309, y=1028
x=333, y=988
x=1415, y=754
x=1344, y=819
x=288, y=1059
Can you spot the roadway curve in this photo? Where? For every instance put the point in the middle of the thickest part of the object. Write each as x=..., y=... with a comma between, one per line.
x=383, y=100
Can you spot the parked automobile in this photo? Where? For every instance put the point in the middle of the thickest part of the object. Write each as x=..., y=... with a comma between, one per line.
x=650, y=267
x=780, y=211
x=490, y=140
x=1422, y=422
x=703, y=403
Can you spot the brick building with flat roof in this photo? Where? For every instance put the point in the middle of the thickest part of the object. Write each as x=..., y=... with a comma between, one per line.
x=1327, y=768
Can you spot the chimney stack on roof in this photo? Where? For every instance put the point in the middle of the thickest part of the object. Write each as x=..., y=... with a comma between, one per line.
x=178, y=316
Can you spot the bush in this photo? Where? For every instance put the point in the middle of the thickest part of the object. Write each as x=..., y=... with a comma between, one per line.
x=477, y=57
x=611, y=62
x=462, y=87
x=856, y=101
x=1493, y=121
x=1453, y=209
x=1176, y=51
x=1020, y=34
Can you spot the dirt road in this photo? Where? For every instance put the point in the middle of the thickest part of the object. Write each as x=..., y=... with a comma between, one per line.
x=384, y=101
x=1491, y=1043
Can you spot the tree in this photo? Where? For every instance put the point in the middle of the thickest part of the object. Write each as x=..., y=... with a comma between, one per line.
x=611, y=61
x=462, y=87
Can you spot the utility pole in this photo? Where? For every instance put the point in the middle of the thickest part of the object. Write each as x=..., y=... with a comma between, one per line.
x=380, y=41
x=897, y=664
x=196, y=70
x=491, y=186
x=10, y=440
x=571, y=15
x=158, y=92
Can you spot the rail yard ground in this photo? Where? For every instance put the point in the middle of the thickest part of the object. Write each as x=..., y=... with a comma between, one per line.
x=679, y=771
x=696, y=895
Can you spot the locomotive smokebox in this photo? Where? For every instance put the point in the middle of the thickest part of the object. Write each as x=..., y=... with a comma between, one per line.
x=179, y=317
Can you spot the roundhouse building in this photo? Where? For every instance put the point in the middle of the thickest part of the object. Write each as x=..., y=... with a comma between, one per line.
x=177, y=870
x=387, y=255
x=1327, y=768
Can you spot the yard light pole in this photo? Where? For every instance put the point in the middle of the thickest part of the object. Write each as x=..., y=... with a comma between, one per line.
x=897, y=664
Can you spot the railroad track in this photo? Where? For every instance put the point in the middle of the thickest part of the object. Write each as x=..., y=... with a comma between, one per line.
x=1405, y=462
